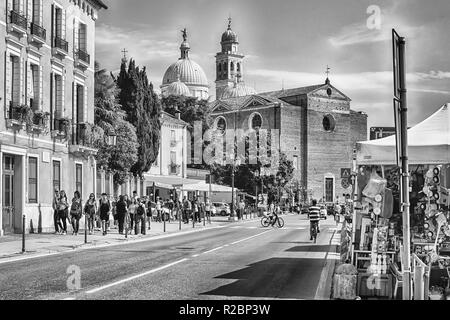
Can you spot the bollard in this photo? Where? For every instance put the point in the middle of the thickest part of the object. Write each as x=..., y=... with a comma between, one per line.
x=164, y=221
x=179, y=218
x=23, y=233
x=204, y=219
x=85, y=229
x=193, y=220
x=126, y=228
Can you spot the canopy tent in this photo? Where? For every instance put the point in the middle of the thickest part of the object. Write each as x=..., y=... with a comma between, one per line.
x=428, y=143
x=202, y=186
x=170, y=182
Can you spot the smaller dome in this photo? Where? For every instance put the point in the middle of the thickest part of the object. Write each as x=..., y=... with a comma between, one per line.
x=238, y=90
x=229, y=35
x=178, y=88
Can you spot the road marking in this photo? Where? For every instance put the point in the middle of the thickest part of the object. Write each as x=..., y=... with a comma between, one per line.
x=213, y=250
x=260, y=234
x=135, y=277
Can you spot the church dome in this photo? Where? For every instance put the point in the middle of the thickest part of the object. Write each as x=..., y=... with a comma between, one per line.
x=178, y=88
x=189, y=71
x=229, y=35
x=238, y=90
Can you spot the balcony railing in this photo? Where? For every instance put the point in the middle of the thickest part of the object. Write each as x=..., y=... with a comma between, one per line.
x=61, y=127
x=61, y=44
x=38, y=31
x=173, y=143
x=18, y=20
x=83, y=56
x=80, y=135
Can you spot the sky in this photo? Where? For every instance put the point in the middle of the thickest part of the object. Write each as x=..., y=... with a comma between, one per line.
x=289, y=43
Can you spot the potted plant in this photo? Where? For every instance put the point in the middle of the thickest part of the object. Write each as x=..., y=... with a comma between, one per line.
x=40, y=118
x=23, y=112
x=63, y=126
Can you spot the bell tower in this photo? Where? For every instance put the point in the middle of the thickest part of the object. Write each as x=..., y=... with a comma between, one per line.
x=229, y=62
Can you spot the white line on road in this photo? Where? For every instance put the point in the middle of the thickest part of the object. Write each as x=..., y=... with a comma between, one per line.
x=213, y=250
x=135, y=277
x=260, y=234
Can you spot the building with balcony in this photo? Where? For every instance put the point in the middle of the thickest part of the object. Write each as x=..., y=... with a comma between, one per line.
x=48, y=101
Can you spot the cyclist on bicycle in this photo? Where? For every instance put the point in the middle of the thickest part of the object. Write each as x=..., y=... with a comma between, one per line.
x=314, y=217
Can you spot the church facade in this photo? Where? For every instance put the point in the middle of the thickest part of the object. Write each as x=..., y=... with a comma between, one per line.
x=317, y=128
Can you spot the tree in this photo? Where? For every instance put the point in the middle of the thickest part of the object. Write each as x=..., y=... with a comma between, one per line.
x=110, y=119
x=143, y=111
x=191, y=110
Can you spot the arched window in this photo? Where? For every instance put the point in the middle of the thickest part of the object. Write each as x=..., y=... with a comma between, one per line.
x=220, y=67
x=224, y=68
x=255, y=121
x=329, y=123
x=221, y=125
x=238, y=67
x=232, y=66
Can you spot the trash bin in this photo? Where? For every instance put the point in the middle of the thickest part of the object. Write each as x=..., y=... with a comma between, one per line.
x=345, y=282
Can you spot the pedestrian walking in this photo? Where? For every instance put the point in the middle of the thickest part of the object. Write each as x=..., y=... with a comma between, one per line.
x=56, y=219
x=76, y=212
x=208, y=209
x=105, y=210
x=158, y=209
x=140, y=218
x=132, y=212
x=90, y=208
x=187, y=207
x=121, y=212
x=151, y=210
x=241, y=209
x=63, y=210
x=196, y=210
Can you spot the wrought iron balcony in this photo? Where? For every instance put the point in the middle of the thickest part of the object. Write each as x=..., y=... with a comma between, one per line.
x=61, y=128
x=13, y=113
x=61, y=44
x=173, y=143
x=38, y=31
x=18, y=20
x=82, y=140
x=83, y=56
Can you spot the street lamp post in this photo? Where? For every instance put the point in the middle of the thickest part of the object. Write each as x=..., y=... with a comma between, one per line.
x=233, y=216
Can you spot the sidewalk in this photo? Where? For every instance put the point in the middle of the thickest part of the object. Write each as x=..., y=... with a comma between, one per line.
x=42, y=244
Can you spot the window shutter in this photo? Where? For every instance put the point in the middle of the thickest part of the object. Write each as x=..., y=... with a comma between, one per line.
x=63, y=100
x=41, y=89
x=85, y=105
x=74, y=100
x=29, y=91
x=76, y=35
x=63, y=24
x=10, y=7
x=53, y=35
x=41, y=9
x=21, y=7
x=21, y=80
x=8, y=78
x=29, y=10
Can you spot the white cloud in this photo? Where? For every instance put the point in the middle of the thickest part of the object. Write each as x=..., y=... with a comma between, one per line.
x=360, y=33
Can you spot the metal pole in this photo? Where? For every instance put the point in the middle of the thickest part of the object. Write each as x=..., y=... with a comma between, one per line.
x=85, y=228
x=232, y=193
x=164, y=220
x=23, y=233
x=405, y=174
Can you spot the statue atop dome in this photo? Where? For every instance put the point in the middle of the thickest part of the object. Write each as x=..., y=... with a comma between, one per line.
x=184, y=33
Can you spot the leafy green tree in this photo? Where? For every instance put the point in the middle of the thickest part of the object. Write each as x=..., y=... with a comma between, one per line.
x=143, y=111
x=110, y=119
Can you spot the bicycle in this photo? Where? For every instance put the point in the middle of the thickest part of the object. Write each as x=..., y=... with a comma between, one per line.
x=314, y=228
x=267, y=221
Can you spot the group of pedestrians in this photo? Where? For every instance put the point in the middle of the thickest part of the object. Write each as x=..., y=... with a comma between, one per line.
x=64, y=212
x=128, y=212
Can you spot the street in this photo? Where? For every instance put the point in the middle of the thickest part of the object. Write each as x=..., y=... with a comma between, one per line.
x=236, y=261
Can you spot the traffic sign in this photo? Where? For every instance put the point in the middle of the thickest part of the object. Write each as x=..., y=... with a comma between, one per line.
x=345, y=183
x=346, y=173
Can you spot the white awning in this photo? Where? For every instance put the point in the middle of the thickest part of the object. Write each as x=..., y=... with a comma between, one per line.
x=428, y=143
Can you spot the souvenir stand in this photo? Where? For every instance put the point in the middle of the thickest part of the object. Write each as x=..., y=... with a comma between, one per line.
x=377, y=221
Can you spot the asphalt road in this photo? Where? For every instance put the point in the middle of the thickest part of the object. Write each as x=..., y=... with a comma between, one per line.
x=238, y=261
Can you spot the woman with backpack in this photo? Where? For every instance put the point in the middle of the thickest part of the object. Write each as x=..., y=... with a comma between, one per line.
x=105, y=210
x=75, y=212
x=140, y=217
x=90, y=208
x=63, y=210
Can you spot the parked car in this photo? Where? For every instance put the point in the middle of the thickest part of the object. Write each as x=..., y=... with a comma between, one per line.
x=222, y=208
x=213, y=211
